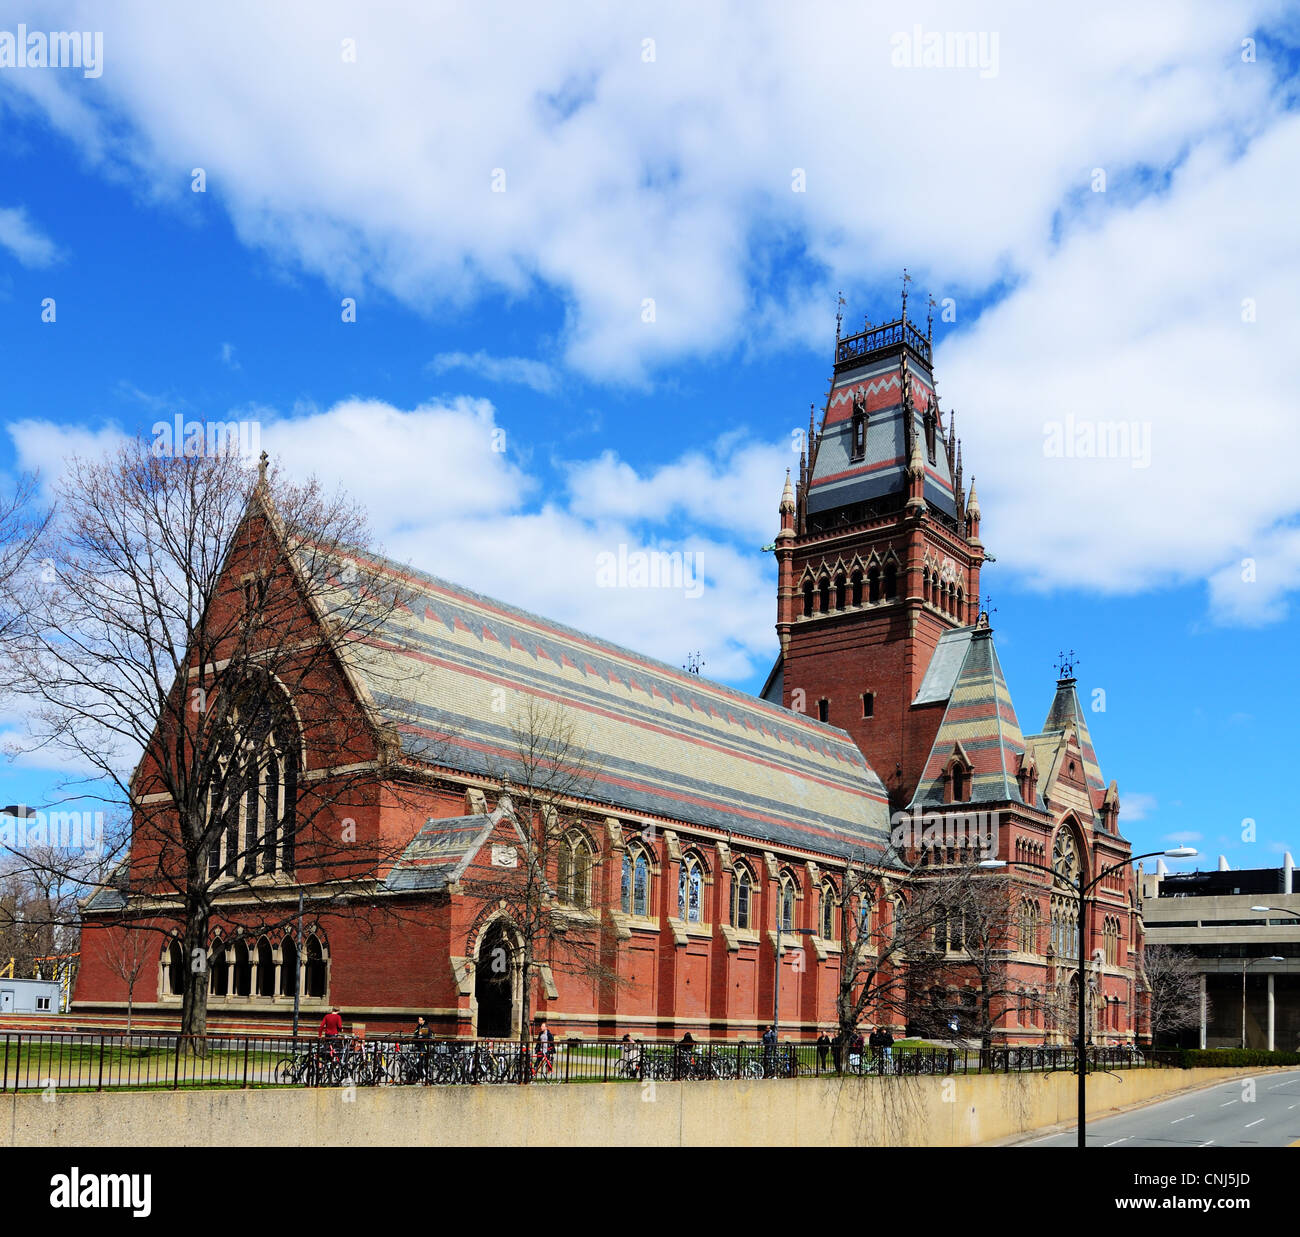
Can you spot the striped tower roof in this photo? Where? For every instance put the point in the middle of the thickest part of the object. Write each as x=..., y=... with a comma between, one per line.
x=981, y=719
x=1065, y=713
x=872, y=366
x=446, y=674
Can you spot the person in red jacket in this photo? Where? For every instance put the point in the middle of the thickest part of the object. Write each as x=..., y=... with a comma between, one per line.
x=331, y=1025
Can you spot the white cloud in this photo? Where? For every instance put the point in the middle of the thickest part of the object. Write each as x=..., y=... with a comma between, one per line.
x=1136, y=805
x=227, y=356
x=632, y=180
x=509, y=369
x=24, y=239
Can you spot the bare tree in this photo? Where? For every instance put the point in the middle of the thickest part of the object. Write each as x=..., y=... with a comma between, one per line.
x=887, y=919
x=130, y=953
x=973, y=940
x=21, y=524
x=548, y=894
x=201, y=623
x=1173, y=985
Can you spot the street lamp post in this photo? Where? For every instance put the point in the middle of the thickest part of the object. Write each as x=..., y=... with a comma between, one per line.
x=1080, y=892
x=1245, y=962
x=776, y=994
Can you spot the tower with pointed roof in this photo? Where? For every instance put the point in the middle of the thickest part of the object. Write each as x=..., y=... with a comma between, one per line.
x=879, y=552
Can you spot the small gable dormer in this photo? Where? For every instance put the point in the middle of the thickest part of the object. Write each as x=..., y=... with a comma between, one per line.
x=1110, y=809
x=1027, y=778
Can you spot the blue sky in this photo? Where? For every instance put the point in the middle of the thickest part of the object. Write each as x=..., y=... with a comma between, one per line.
x=503, y=204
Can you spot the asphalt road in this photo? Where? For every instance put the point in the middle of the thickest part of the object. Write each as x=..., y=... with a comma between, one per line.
x=1225, y=1115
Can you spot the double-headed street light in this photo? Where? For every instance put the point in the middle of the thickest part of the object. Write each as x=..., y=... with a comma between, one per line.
x=1080, y=890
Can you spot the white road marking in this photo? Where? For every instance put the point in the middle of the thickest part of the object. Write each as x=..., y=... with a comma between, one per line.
x=1210, y=1143
x=1280, y=1085
x=1117, y=1141
x=1259, y=1122
x=1229, y=1102
x=1189, y=1116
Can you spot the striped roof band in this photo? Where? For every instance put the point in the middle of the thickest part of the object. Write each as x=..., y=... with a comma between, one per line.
x=452, y=671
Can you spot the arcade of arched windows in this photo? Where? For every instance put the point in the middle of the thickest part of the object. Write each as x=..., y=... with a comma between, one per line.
x=1110, y=940
x=263, y=967
x=942, y=590
x=830, y=588
x=1030, y=851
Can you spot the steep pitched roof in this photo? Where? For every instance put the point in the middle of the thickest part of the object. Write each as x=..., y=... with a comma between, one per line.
x=980, y=721
x=668, y=743
x=1065, y=714
x=837, y=479
x=439, y=854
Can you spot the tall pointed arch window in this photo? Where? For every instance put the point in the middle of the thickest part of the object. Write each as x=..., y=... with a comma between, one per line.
x=255, y=782
x=573, y=875
x=690, y=889
x=636, y=881
x=742, y=896
x=785, y=908
x=829, y=906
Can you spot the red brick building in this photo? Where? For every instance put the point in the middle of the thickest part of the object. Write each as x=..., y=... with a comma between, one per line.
x=714, y=818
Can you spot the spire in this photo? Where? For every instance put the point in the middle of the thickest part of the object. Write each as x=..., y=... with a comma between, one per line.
x=916, y=464
x=973, y=503
x=261, y=470
x=787, y=496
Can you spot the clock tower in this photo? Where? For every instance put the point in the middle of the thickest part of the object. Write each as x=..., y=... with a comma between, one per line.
x=879, y=553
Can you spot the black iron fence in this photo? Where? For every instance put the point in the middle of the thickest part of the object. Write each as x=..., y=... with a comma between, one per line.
x=112, y=1061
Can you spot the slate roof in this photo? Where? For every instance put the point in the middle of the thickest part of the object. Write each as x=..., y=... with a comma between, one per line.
x=979, y=716
x=670, y=744
x=439, y=853
x=837, y=480
x=1066, y=711
x=111, y=896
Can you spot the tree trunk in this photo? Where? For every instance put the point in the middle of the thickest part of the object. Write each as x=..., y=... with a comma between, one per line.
x=130, y=997
x=525, y=1042
x=194, y=1002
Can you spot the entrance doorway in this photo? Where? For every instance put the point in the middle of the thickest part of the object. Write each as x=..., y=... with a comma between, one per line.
x=494, y=985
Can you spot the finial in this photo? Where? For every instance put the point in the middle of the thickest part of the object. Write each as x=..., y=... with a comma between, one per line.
x=1065, y=665
x=916, y=465
x=839, y=315
x=929, y=320
x=787, y=496
x=261, y=469
x=973, y=503
x=907, y=279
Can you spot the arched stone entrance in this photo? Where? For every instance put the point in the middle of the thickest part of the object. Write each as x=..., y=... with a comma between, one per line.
x=495, y=982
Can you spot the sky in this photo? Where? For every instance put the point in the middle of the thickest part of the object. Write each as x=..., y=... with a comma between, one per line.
x=536, y=282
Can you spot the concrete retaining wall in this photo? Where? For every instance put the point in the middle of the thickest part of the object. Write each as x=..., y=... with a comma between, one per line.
x=933, y=1112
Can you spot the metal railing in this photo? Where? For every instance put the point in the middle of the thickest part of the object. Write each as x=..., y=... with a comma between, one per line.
x=32, y=1061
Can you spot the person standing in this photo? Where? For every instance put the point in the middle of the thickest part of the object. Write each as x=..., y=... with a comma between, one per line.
x=545, y=1049
x=331, y=1025
x=887, y=1046
x=823, y=1049
x=769, y=1052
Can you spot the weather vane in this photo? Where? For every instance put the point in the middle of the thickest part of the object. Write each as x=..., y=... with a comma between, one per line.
x=694, y=663
x=1065, y=665
x=839, y=313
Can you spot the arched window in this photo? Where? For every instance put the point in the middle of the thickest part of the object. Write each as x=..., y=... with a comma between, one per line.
x=288, y=967
x=265, y=968
x=219, y=984
x=174, y=961
x=829, y=905
x=636, y=882
x=807, y=598
x=316, y=970
x=574, y=870
x=856, y=580
x=873, y=583
x=824, y=595
x=786, y=909
x=242, y=972
x=959, y=603
x=891, y=580
x=256, y=784
x=742, y=892
x=839, y=590
x=690, y=890
x=859, y=436
x=956, y=930
x=925, y=584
